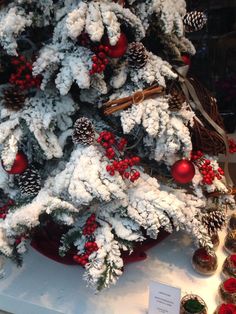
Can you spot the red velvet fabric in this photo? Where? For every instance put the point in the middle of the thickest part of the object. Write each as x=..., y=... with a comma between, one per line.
x=47, y=243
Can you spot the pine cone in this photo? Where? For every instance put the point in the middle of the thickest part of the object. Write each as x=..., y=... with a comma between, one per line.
x=194, y=21
x=175, y=102
x=29, y=182
x=214, y=221
x=137, y=55
x=13, y=99
x=83, y=132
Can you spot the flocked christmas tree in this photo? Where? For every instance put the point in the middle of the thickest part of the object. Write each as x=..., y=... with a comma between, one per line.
x=101, y=131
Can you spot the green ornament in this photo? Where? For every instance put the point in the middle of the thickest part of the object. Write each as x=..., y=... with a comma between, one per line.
x=193, y=306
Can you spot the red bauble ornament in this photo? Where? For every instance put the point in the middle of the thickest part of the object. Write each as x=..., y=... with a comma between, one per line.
x=20, y=164
x=119, y=49
x=183, y=171
x=186, y=59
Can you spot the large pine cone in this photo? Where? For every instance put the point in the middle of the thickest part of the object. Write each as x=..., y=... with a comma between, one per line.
x=13, y=99
x=194, y=21
x=214, y=220
x=83, y=132
x=137, y=55
x=29, y=182
x=175, y=102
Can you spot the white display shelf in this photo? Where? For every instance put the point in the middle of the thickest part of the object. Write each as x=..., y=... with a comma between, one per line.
x=42, y=286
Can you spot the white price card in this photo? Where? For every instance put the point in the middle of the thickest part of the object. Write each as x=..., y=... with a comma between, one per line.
x=163, y=299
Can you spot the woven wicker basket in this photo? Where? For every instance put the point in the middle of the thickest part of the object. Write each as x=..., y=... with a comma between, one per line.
x=204, y=137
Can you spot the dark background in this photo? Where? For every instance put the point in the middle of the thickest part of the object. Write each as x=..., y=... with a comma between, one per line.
x=215, y=61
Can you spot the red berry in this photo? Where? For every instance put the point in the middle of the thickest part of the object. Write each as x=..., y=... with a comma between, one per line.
x=110, y=150
x=105, y=145
x=94, y=67
x=102, y=55
x=84, y=262
x=136, y=159
x=92, y=217
x=126, y=175
x=115, y=164
x=132, y=178
x=15, y=62
x=130, y=162
x=108, y=168
x=95, y=59
x=75, y=258
x=111, y=141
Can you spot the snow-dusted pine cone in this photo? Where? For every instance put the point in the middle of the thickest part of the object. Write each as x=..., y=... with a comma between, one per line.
x=137, y=55
x=194, y=21
x=29, y=182
x=13, y=99
x=214, y=220
x=83, y=131
x=175, y=102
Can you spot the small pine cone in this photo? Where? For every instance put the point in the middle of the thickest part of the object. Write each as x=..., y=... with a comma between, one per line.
x=83, y=132
x=214, y=220
x=29, y=182
x=194, y=21
x=13, y=99
x=137, y=55
x=175, y=102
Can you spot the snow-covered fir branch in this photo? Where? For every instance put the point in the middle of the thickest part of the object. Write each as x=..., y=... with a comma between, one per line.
x=42, y=114
x=12, y=23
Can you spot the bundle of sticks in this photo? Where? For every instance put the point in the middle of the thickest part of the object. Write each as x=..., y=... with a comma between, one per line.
x=115, y=105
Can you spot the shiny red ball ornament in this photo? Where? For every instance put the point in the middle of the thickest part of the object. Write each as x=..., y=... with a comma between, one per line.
x=119, y=49
x=20, y=164
x=183, y=171
x=186, y=59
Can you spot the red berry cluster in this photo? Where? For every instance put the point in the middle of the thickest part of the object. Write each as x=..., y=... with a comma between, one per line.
x=23, y=77
x=100, y=59
x=114, y=149
x=196, y=155
x=90, y=246
x=206, y=169
x=90, y=225
x=232, y=146
x=5, y=208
